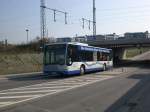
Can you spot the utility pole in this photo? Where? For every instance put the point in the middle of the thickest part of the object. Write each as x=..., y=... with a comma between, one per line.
x=94, y=19
x=88, y=21
x=43, y=22
x=43, y=19
x=58, y=11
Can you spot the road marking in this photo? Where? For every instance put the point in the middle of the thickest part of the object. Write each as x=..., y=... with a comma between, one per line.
x=2, y=104
x=22, y=96
x=58, y=84
x=31, y=92
x=44, y=87
x=53, y=87
x=3, y=78
x=45, y=91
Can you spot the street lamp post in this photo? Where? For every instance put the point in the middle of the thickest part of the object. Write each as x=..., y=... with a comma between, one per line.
x=27, y=30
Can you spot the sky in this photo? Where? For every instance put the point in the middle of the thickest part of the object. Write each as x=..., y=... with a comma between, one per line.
x=112, y=16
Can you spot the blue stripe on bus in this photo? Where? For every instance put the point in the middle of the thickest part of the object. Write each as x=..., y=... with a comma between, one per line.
x=93, y=69
x=71, y=72
x=63, y=72
x=74, y=71
x=90, y=48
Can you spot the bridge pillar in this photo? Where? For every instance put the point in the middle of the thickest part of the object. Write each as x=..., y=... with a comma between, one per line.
x=124, y=54
x=119, y=54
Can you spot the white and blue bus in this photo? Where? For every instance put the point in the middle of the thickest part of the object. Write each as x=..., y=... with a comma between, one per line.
x=75, y=58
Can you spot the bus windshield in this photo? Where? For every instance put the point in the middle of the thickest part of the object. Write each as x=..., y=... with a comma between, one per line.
x=55, y=54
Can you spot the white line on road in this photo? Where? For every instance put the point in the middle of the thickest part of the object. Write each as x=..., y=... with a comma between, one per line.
x=40, y=88
x=2, y=104
x=42, y=91
x=22, y=96
x=57, y=84
x=54, y=84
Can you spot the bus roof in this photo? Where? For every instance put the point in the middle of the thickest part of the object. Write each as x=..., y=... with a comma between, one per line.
x=80, y=44
x=73, y=43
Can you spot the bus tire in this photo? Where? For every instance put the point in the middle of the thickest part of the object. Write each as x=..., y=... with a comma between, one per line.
x=82, y=70
x=104, y=67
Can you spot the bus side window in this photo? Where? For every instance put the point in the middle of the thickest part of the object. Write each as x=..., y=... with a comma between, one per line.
x=99, y=56
x=87, y=56
x=47, y=57
x=73, y=53
x=111, y=56
x=82, y=56
x=95, y=56
x=70, y=52
x=108, y=58
x=104, y=57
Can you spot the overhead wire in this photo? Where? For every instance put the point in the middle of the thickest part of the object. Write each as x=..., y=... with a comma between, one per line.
x=125, y=14
x=124, y=8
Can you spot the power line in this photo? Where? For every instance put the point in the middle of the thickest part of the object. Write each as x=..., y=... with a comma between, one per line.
x=124, y=16
x=54, y=12
x=124, y=20
x=124, y=13
x=124, y=8
x=43, y=19
x=88, y=21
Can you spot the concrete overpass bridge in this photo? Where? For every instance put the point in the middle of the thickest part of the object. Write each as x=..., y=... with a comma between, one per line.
x=119, y=46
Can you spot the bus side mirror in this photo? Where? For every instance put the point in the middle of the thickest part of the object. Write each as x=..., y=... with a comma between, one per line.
x=69, y=62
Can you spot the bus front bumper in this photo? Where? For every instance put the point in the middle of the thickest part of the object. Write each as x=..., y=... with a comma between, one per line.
x=58, y=69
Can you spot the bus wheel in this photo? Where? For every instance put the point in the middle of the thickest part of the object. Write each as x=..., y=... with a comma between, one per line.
x=82, y=70
x=104, y=67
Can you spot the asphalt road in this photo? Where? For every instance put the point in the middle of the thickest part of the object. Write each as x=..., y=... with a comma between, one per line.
x=112, y=91
x=144, y=56
x=8, y=82
x=90, y=93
